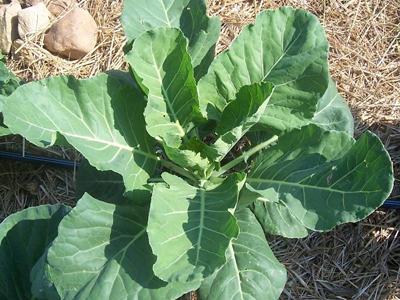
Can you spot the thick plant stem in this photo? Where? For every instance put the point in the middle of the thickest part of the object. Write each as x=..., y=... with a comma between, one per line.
x=171, y=166
x=245, y=156
x=178, y=170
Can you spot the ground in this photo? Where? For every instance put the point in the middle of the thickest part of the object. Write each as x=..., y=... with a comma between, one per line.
x=356, y=261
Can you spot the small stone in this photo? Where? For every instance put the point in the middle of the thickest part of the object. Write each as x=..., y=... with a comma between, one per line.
x=74, y=36
x=8, y=25
x=57, y=7
x=33, y=19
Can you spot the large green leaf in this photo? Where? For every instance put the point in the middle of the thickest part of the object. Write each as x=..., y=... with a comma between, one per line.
x=101, y=117
x=287, y=47
x=324, y=178
x=272, y=213
x=24, y=237
x=161, y=63
x=240, y=115
x=190, y=228
x=276, y=219
x=190, y=16
x=102, y=252
x=251, y=270
x=333, y=112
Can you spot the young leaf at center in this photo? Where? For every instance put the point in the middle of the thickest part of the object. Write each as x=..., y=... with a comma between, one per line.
x=160, y=61
x=240, y=115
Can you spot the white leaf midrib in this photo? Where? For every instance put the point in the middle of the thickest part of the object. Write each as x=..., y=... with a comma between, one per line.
x=88, y=138
x=201, y=225
x=236, y=269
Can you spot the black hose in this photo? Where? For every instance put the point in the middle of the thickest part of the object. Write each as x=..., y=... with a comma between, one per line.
x=64, y=163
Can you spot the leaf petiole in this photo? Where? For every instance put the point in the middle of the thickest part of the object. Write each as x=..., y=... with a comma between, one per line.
x=181, y=171
x=245, y=156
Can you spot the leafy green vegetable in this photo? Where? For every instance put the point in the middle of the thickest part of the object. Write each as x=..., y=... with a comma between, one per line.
x=327, y=180
x=168, y=77
x=287, y=47
x=191, y=160
x=42, y=110
x=190, y=228
x=102, y=252
x=241, y=115
x=251, y=270
x=24, y=236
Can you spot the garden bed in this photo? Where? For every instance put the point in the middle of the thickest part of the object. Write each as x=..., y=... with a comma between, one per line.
x=355, y=261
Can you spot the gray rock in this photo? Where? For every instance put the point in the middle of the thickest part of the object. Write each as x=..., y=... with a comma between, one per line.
x=73, y=36
x=8, y=25
x=33, y=19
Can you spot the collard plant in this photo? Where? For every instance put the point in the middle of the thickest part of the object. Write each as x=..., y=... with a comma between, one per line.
x=192, y=160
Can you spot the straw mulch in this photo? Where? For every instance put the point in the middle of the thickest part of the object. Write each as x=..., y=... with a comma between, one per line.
x=356, y=261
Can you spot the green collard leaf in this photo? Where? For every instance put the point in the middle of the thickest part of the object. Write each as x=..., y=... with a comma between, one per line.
x=333, y=112
x=287, y=47
x=324, y=178
x=275, y=218
x=240, y=115
x=102, y=185
x=190, y=228
x=190, y=16
x=161, y=63
x=102, y=117
x=102, y=252
x=251, y=270
x=24, y=237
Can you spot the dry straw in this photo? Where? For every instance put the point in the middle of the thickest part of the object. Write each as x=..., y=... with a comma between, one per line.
x=360, y=261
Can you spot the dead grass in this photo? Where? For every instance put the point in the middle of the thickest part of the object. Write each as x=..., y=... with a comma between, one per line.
x=360, y=261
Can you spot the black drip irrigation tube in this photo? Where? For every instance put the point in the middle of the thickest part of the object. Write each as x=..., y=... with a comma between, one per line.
x=68, y=164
